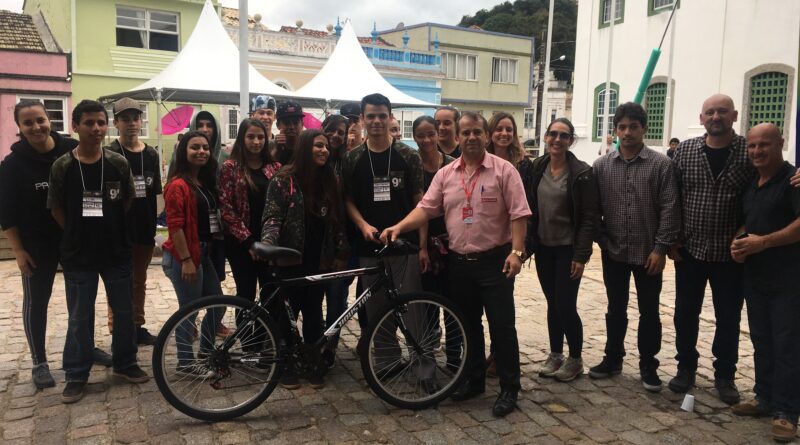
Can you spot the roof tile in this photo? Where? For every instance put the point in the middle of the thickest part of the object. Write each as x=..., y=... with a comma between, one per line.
x=17, y=31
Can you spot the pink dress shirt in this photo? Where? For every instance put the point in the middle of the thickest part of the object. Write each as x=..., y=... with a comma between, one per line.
x=498, y=199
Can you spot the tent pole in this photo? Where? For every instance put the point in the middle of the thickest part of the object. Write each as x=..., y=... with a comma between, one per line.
x=159, y=132
x=244, y=43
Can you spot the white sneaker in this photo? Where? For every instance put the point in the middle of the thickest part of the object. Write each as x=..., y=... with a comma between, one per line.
x=572, y=368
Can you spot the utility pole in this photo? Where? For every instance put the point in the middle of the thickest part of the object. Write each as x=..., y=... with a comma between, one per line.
x=539, y=88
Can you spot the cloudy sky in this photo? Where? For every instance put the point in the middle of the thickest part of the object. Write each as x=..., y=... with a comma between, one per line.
x=318, y=13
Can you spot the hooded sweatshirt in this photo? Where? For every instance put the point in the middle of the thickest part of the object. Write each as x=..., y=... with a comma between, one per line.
x=216, y=146
x=24, y=176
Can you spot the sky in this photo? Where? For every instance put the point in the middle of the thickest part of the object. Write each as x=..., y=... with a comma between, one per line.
x=316, y=14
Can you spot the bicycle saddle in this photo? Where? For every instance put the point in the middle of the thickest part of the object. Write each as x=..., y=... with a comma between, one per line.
x=274, y=253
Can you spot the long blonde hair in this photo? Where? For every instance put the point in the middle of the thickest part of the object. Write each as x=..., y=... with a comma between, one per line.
x=515, y=151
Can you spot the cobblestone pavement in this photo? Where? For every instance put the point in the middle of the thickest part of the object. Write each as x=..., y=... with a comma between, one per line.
x=617, y=410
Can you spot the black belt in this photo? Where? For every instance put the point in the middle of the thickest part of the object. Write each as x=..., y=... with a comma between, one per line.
x=505, y=249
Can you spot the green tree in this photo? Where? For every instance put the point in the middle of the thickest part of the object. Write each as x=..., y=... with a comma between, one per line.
x=529, y=18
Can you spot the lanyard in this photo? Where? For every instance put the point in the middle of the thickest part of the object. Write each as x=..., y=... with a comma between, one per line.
x=102, y=168
x=468, y=191
x=388, y=169
x=208, y=203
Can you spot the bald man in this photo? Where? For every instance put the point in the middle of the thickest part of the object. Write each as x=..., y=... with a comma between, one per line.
x=713, y=171
x=769, y=246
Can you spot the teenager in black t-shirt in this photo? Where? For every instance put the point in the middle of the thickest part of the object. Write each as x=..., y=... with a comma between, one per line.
x=90, y=191
x=144, y=165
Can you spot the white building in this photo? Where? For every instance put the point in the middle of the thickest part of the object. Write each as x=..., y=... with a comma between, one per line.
x=747, y=49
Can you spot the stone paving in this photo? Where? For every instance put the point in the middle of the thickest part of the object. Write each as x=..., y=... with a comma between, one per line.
x=616, y=410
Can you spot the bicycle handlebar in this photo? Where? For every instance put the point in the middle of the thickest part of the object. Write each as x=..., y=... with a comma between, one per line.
x=397, y=245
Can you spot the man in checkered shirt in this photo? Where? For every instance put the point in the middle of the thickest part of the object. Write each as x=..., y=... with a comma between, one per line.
x=713, y=171
x=641, y=220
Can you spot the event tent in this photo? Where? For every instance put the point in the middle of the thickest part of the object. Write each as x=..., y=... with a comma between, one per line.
x=348, y=75
x=205, y=71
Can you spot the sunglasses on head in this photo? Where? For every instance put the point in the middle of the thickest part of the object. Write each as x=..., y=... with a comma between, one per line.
x=559, y=135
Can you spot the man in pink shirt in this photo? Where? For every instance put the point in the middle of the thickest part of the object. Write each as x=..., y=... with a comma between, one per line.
x=483, y=202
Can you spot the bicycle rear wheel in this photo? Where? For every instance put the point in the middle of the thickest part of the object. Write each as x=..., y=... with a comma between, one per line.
x=419, y=365
x=216, y=377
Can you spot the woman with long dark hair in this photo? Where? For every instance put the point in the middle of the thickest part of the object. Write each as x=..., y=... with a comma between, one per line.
x=565, y=219
x=304, y=211
x=190, y=200
x=32, y=232
x=243, y=181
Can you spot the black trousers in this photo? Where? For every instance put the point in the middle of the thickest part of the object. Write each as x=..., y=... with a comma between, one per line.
x=480, y=285
x=247, y=273
x=691, y=276
x=306, y=300
x=774, y=330
x=36, y=291
x=617, y=278
x=553, y=269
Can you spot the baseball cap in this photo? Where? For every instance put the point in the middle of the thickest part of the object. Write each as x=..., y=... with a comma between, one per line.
x=350, y=109
x=125, y=104
x=289, y=109
x=262, y=101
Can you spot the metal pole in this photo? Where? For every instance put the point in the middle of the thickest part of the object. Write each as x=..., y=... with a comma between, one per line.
x=244, y=49
x=668, y=99
x=607, y=101
x=547, y=69
x=159, y=133
x=539, y=83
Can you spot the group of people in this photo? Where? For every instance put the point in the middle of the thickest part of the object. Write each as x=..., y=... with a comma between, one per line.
x=725, y=208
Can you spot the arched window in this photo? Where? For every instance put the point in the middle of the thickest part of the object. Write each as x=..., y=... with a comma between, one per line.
x=599, y=129
x=654, y=104
x=767, y=96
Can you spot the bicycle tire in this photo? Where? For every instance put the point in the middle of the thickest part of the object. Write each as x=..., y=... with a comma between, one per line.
x=405, y=378
x=254, y=361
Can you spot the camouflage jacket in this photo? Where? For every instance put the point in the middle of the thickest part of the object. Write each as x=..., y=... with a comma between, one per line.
x=283, y=223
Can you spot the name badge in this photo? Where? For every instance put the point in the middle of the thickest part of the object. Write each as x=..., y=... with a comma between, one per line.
x=488, y=199
x=468, y=215
x=381, y=189
x=213, y=221
x=92, y=204
x=140, y=186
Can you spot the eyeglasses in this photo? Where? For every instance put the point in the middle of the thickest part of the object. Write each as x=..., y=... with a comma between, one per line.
x=559, y=135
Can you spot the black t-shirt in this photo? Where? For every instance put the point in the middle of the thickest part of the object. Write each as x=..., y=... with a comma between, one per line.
x=312, y=242
x=256, y=199
x=205, y=205
x=767, y=209
x=143, y=212
x=455, y=154
x=717, y=158
x=93, y=242
x=382, y=214
x=436, y=226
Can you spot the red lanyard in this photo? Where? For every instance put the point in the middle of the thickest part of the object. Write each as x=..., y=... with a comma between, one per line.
x=468, y=191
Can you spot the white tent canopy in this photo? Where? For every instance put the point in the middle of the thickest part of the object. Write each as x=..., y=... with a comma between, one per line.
x=206, y=70
x=348, y=75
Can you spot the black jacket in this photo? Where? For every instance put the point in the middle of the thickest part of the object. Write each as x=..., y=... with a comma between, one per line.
x=584, y=202
x=24, y=176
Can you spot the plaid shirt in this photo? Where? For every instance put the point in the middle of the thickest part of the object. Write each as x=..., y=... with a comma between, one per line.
x=639, y=204
x=710, y=206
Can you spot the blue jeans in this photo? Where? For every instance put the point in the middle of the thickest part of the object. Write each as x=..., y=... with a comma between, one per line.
x=205, y=284
x=81, y=290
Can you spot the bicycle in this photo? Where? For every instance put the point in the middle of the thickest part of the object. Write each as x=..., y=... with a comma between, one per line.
x=407, y=361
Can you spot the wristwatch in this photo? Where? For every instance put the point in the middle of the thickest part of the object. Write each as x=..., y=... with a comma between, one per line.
x=519, y=253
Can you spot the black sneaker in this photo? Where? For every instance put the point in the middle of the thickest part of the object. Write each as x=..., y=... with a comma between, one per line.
x=316, y=382
x=290, y=381
x=650, y=379
x=682, y=382
x=605, y=369
x=41, y=377
x=329, y=358
x=133, y=374
x=102, y=358
x=144, y=337
x=73, y=392
x=194, y=370
x=727, y=390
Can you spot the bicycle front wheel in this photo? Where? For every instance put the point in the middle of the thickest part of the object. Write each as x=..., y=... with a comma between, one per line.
x=416, y=350
x=212, y=373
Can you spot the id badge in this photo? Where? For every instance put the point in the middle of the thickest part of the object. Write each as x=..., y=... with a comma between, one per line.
x=381, y=189
x=92, y=204
x=467, y=215
x=140, y=186
x=213, y=221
